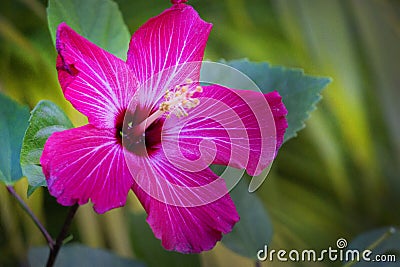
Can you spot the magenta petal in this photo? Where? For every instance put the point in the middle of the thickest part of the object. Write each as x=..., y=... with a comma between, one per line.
x=229, y=127
x=279, y=111
x=176, y=36
x=187, y=229
x=97, y=83
x=192, y=229
x=86, y=163
x=178, y=1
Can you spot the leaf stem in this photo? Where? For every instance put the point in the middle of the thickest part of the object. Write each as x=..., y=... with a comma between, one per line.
x=61, y=236
x=376, y=243
x=26, y=208
x=53, y=245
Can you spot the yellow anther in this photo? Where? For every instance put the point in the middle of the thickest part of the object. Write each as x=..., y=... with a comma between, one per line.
x=180, y=99
x=184, y=89
x=177, y=101
x=164, y=106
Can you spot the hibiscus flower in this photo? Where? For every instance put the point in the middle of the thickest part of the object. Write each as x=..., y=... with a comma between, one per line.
x=155, y=130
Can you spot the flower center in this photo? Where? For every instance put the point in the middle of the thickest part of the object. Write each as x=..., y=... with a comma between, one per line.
x=119, y=125
x=177, y=102
x=180, y=100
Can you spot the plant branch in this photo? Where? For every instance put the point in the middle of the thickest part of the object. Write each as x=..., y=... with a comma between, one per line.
x=26, y=208
x=61, y=236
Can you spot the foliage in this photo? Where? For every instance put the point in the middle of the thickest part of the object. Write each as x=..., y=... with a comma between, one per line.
x=109, y=32
x=13, y=121
x=149, y=249
x=78, y=255
x=383, y=241
x=254, y=230
x=46, y=118
x=299, y=92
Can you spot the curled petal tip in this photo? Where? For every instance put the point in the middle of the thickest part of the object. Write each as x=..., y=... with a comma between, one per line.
x=178, y=1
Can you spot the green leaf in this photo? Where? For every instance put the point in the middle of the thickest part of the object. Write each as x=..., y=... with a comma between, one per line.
x=254, y=230
x=384, y=241
x=13, y=122
x=149, y=249
x=100, y=21
x=299, y=92
x=79, y=255
x=46, y=118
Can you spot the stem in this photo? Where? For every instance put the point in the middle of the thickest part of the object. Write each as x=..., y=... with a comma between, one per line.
x=376, y=243
x=53, y=245
x=61, y=236
x=26, y=208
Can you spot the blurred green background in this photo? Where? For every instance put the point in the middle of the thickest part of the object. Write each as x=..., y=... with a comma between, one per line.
x=339, y=178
